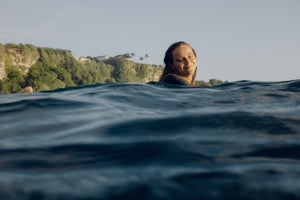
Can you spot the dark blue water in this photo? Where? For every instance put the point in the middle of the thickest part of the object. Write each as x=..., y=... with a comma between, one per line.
x=239, y=140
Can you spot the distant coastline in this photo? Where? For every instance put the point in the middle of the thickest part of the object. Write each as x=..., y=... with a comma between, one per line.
x=47, y=68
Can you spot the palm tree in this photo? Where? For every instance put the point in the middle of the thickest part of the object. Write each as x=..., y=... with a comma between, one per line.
x=146, y=57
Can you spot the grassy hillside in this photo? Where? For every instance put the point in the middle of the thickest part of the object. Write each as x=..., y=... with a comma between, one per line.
x=47, y=68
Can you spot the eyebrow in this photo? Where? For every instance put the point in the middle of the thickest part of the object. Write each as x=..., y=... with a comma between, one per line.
x=183, y=56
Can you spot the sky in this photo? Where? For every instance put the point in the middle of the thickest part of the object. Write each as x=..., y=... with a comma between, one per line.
x=257, y=40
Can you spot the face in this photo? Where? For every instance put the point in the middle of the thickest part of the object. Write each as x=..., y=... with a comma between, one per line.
x=185, y=60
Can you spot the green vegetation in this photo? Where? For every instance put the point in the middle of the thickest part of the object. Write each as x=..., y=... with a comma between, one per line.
x=211, y=82
x=46, y=68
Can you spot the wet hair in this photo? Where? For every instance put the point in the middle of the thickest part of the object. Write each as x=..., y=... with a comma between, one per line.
x=168, y=60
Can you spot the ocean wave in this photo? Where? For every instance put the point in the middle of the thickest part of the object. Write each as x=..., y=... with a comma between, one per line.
x=152, y=141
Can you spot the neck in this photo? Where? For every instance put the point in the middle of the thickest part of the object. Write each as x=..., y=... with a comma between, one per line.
x=187, y=78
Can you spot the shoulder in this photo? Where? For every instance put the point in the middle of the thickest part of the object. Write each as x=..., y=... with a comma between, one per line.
x=174, y=79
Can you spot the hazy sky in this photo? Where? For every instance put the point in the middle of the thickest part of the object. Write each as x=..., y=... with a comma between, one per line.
x=256, y=40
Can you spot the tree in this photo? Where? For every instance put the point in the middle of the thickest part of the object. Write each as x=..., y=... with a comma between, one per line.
x=14, y=81
x=122, y=72
x=202, y=83
x=142, y=71
x=64, y=76
x=146, y=57
x=215, y=82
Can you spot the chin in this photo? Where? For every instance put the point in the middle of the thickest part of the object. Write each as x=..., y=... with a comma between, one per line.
x=190, y=72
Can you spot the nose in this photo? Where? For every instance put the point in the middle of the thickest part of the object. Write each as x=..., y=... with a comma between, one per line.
x=187, y=61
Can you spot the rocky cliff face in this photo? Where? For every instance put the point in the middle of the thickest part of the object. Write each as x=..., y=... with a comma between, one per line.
x=152, y=75
x=20, y=58
x=2, y=69
x=2, y=62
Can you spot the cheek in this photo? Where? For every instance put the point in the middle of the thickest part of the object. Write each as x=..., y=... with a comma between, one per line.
x=178, y=65
x=195, y=65
x=195, y=68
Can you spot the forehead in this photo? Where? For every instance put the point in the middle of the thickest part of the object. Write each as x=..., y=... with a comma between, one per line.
x=182, y=50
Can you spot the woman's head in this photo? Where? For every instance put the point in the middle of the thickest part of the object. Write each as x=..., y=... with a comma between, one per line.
x=180, y=59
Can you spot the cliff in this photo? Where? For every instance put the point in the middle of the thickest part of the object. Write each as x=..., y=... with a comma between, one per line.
x=47, y=68
x=21, y=56
x=2, y=62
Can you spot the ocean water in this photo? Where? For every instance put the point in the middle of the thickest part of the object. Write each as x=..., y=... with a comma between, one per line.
x=239, y=140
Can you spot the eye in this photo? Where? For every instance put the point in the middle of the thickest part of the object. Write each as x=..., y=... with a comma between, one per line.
x=191, y=57
x=179, y=60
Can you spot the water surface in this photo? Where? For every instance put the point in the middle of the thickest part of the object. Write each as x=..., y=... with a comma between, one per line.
x=238, y=140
